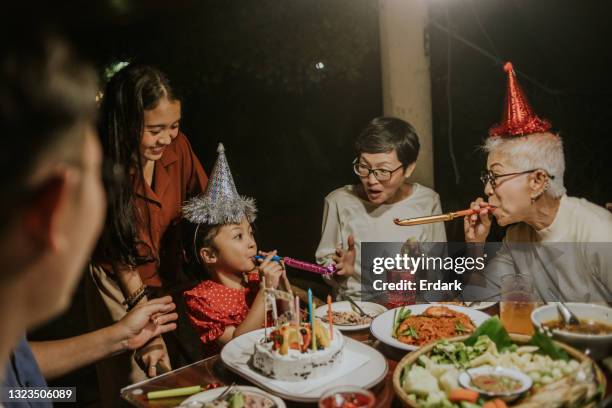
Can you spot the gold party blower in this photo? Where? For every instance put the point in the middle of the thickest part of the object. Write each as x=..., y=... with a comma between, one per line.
x=437, y=218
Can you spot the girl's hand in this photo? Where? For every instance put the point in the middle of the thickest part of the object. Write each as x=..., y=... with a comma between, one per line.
x=345, y=259
x=477, y=226
x=271, y=271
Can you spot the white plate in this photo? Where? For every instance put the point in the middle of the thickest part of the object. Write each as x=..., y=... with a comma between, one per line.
x=383, y=325
x=371, y=308
x=236, y=354
x=474, y=305
x=209, y=395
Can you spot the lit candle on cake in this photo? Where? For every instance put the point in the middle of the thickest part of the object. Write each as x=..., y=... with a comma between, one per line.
x=313, y=342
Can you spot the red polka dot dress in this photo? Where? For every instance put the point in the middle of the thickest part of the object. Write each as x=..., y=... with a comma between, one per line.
x=212, y=307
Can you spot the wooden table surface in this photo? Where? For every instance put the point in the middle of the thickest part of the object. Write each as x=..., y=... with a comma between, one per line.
x=212, y=370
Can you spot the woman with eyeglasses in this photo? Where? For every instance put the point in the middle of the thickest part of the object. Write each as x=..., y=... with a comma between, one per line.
x=524, y=190
x=387, y=151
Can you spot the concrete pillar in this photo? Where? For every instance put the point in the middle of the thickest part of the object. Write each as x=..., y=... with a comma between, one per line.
x=405, y=74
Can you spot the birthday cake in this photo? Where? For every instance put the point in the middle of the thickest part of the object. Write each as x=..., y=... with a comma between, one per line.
x=287, y=353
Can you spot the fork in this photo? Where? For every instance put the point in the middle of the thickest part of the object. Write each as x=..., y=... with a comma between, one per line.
x=354, y=305
x=200, y=404
x=468, y=304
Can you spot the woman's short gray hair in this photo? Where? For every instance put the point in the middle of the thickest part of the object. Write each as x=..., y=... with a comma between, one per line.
x=535, y=151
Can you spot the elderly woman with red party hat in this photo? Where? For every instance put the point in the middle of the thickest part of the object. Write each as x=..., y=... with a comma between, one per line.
x=563, y=241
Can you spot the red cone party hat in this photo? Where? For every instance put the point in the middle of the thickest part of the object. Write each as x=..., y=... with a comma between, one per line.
x=518, y=118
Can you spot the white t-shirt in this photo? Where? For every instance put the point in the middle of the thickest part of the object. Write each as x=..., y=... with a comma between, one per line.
x=345, y=213
x=574, y=260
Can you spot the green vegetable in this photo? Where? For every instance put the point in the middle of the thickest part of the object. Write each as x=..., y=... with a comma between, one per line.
x=410, y=332
x=405, y=314
x=461, y=328
x=396, y=321
x=481, y=345
x=547, y=346
x=466, y=404
x=399, y=316
x=404, y=374
x=237, y=400
x=450, y=353
x=458, y=353
x=413, y=333
x=494, y=330
x=462, y=356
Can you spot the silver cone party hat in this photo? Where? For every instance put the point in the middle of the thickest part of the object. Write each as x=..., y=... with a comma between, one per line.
x=220, y=203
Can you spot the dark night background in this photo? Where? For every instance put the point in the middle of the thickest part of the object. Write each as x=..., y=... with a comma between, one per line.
x=246, y=72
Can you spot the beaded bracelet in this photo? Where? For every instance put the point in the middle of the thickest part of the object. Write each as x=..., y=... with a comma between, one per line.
x=132, y=300
x=137, y=300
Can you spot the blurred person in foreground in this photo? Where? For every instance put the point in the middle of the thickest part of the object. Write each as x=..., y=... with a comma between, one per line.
x=54, y=205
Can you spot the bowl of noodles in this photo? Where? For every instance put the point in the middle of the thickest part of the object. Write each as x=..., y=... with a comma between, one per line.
x=411, y=327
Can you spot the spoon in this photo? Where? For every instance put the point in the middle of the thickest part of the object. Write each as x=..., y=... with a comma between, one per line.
x=566, y=314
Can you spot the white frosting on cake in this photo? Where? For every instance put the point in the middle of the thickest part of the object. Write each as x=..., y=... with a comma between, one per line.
x=295, y=365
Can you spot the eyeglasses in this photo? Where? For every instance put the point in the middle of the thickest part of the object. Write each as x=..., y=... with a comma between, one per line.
x=379, y=174
x=487, y=176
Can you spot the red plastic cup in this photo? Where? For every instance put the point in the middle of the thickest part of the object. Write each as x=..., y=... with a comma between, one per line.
x=400, y=298
x=347, y=396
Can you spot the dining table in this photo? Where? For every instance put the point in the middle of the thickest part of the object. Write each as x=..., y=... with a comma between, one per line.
x=213, y=371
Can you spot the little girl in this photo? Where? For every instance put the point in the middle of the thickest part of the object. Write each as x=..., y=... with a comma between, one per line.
x=231, y=302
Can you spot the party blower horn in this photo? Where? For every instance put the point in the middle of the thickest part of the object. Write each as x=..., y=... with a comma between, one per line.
x=407, y=222
x=302, y=265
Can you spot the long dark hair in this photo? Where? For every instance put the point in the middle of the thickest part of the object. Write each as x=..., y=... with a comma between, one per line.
x=128, y=94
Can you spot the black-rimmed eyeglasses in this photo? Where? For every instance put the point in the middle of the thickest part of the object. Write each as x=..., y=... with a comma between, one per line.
x=379, y=174
x=487, y=176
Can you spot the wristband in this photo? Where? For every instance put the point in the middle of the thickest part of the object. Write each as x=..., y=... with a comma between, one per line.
x=132, y=300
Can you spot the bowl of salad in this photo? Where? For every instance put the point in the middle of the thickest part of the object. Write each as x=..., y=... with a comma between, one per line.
x=558, y=374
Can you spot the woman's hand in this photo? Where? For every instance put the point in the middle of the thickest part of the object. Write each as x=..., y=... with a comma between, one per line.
x=345, y=259
x=271, y=271
x=152, y=354
x=477, y=226
x=146, y=321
